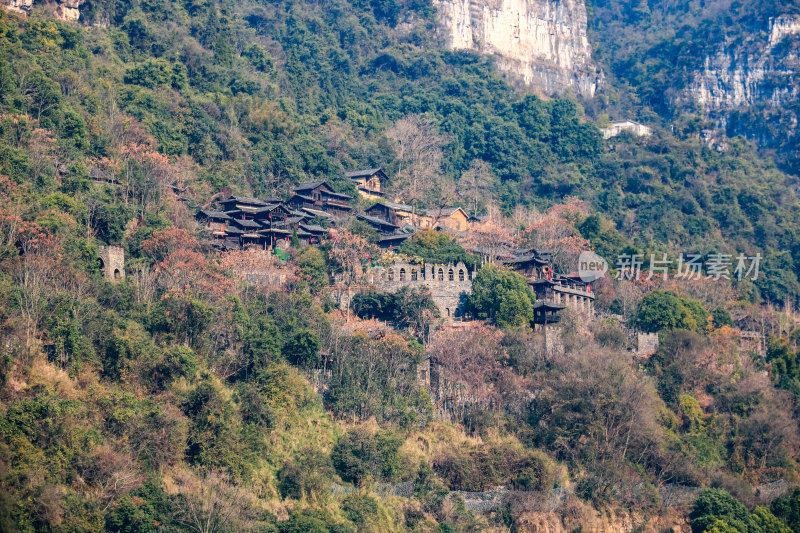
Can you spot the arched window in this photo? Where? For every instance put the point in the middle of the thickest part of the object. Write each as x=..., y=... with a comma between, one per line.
x=413, y=274
x=402, y=274
x=441, y=274
x=448, y=312
x=460, y=274
x=391, y=274
x=450, y=275
x=116, y=273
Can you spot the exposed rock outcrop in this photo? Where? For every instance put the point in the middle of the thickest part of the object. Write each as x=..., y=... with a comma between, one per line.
x=64, y=9
x=20, y=6
x=758, y=71
x=68, y=9
x=544, y=43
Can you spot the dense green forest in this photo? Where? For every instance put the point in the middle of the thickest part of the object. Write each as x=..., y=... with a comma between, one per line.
x=187, y=398
x=263, y=96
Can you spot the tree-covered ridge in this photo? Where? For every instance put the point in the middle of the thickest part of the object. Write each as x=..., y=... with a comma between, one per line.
x=259, y=97
x=655, y=46
x=653, y=51
x=225, y=392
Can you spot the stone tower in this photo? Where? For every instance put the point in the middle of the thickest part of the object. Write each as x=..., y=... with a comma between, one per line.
x=112, y=262
x=553, y=343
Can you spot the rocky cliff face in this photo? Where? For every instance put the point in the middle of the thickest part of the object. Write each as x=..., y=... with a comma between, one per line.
x=64, y=9
x=20, y=6
x=544, y=43
x=758, y=71
x=69, y=9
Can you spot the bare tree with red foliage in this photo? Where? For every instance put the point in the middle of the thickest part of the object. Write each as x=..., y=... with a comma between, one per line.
x=195, y=294
x=474, y=376
x=181, y=267
x=144, y=172
x=12, y=195
x=555, y=231
x=352, y=253
x=492, y=237
x=34, y=271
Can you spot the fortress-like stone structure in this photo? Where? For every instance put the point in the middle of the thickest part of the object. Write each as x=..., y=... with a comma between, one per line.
x=112, y=262
x=646, y=344
x=449, y=284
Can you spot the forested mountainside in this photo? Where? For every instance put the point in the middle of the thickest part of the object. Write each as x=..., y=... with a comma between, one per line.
x=735, y=62
x=204, y=388
x=263, y=96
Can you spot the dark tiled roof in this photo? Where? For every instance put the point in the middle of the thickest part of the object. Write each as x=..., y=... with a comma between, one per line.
x=392, y=205
x=234, y=213
x=527, y=259
x=249, y=224
x=362, y=173
x=318, y=213
x=267, y=208
x=377, y=221
x=392, y=240
x=245, y=200
x=444, y=211
x=340, y=195
x=548, y=305
x=209, y=213
x=291, y=220
x=396, y=237
x=400, y=207
x=309, y=185
x=312, y=228
x=306, y=198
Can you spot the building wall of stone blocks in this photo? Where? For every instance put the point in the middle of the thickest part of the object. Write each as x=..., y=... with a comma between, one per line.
x=113, y=262
x=646, y=344
x=424, y=373
x=449, y=284
x=553, y=341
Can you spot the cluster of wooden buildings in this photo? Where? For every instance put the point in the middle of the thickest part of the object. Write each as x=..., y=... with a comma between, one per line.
x=241, y=221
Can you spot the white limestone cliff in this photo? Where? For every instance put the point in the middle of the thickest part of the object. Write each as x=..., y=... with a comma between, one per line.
x=20, y=6
x=741, y=76
x=544, y=43
x=68, y=9
x=64, y=9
